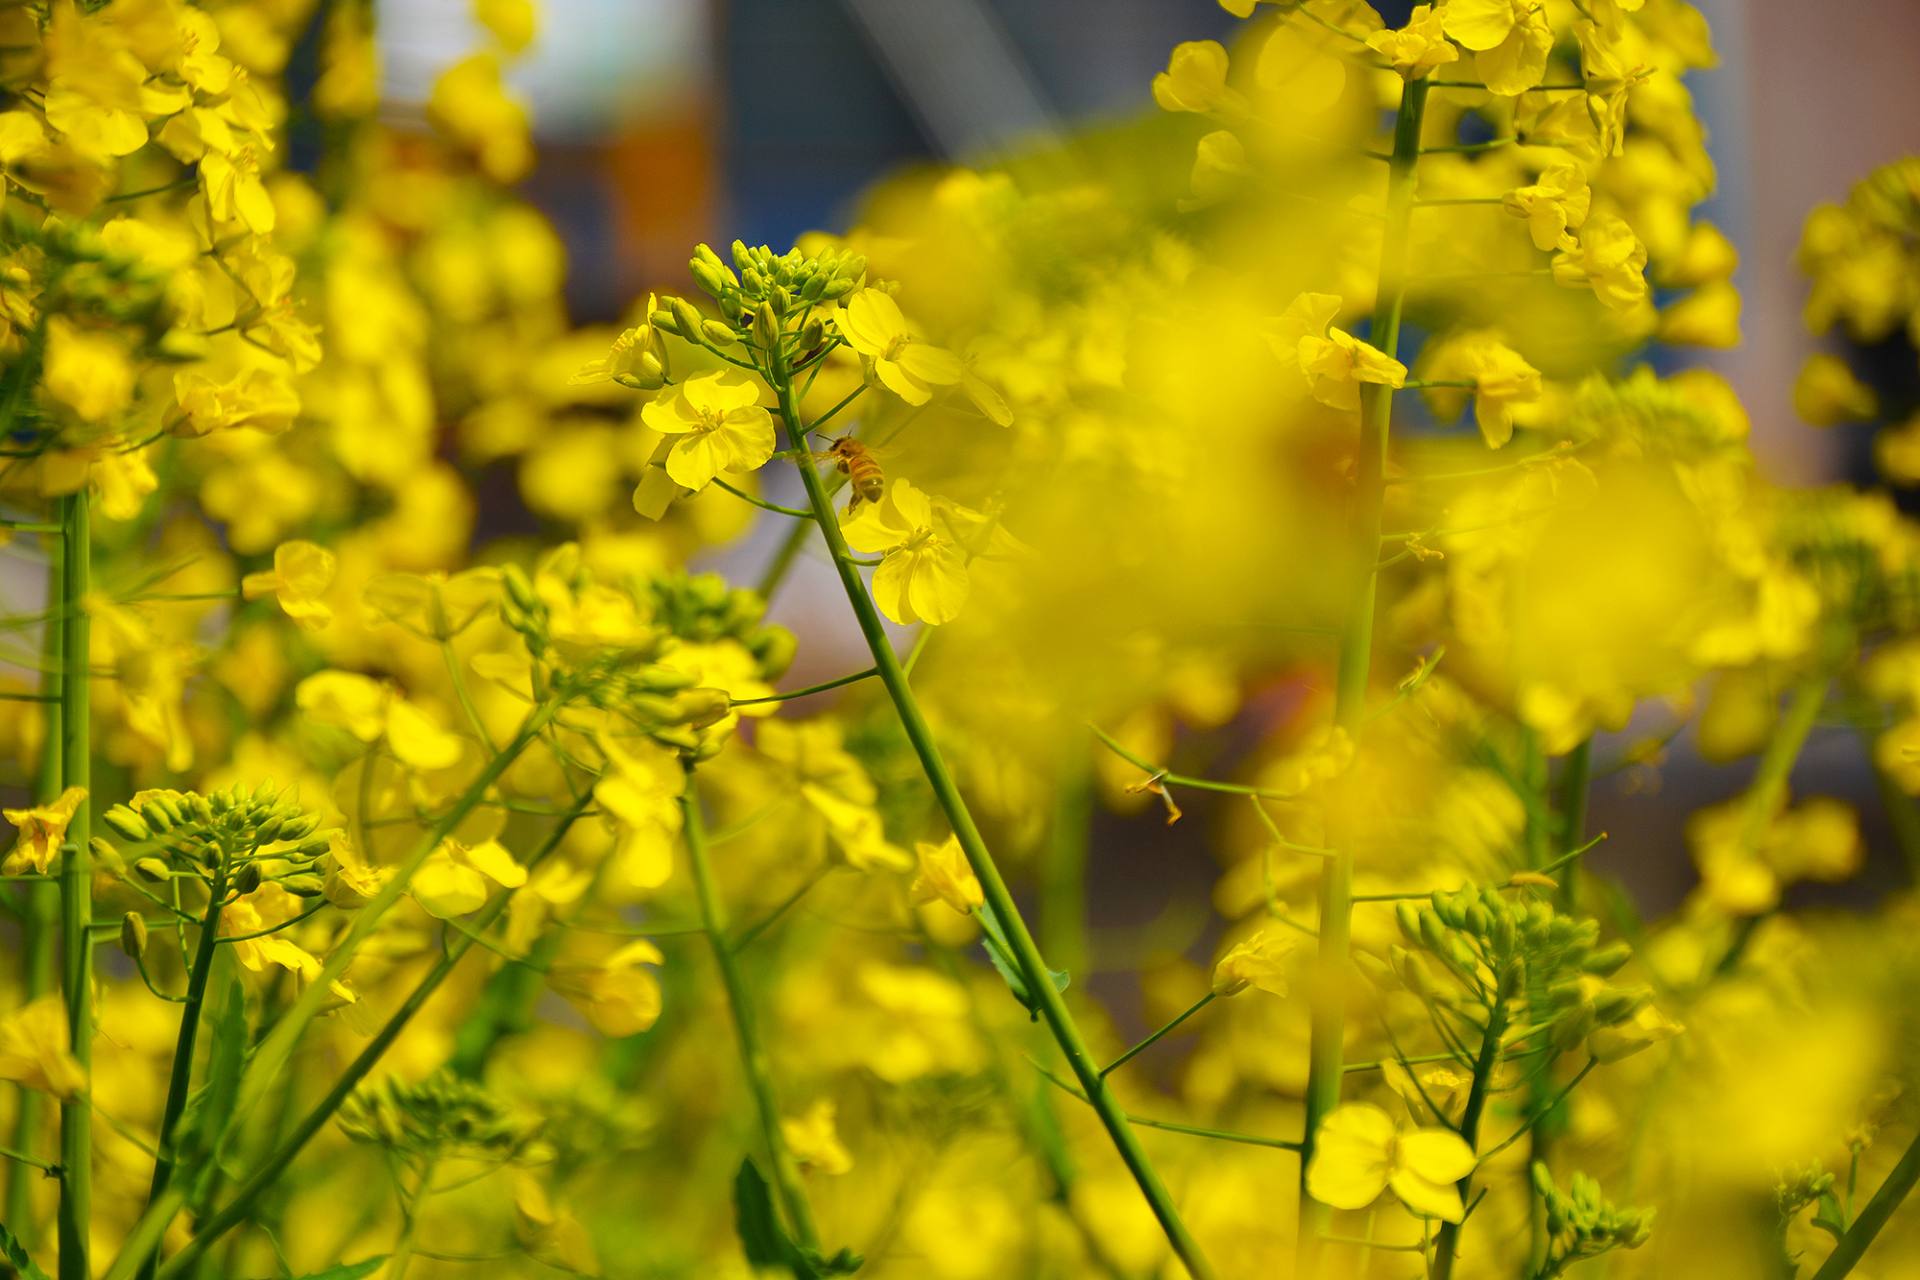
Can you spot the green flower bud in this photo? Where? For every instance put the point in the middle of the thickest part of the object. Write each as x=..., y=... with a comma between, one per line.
x=247, y=880
x=718, y=333
x=766, y=328
x=304, y=885
x=125, y=823
x=106, y=857
x=709, y=278
x=686, y=318
x=1606, y=961
x=152, y=870
x=133, y=934
x=1409, y=918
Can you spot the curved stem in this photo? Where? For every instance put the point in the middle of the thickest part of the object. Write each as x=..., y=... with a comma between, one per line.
x=40, y=908
x=753, y=1056
x=1853, y=1245
x=270, y=1057
x=146, y=1234
x=76, y=887
x=181, y=1078
x=1447, y=1245
x=1026, y=953
x=1327, y=1035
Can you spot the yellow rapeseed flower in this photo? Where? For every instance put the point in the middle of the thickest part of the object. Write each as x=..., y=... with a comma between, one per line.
x=719, y=426
x=872, y=324
x=301, y=574
x=1361, y=1152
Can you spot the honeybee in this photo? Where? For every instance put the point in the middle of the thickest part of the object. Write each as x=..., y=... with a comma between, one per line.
x=863, y=473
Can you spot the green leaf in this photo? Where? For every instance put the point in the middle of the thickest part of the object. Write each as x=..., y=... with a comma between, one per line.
x=767, y=1244
x=994, y=939
x=349, y=1270
x=762, y=1238
x=17, y=1255
x=204, y=1126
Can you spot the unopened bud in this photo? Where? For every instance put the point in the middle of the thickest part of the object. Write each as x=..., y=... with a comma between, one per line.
x=766, y=328
x=247, y=880
x=718, y=333
x=125, y=823
x=133, y=934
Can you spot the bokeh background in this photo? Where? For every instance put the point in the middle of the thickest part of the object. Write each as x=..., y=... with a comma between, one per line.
x=662, y=123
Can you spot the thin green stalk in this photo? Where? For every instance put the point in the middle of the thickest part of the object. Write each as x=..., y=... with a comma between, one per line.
x=146, y=1234
x=181, y=1078
x=76, y=886
x=1026, y=953
x=1063, y=874
x=1328, y=1029
x=273, y=1052
x=1158, y=1035
x=270, y=1057
x=753, y=1055
x=1853, y=1245
x=1576, y=778
x=1446, y=1246
x=1768, y=790
x=40, y=908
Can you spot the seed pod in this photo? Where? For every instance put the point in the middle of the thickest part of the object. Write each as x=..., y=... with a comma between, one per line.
x=133, y=934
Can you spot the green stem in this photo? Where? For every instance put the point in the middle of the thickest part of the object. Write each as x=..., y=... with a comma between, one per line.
x=76, y=887
x=270, y=1057
x=1853, y=1245
x=40, y=908
x=145, y=1236
x=181, y=1078
x=1026, y=953
x=1156, y=1037
x=1327, y=1033
x=1576, y=779
x=1063, y=875
x=822, y=687
x=753, y=1056
x=1446, y=1246
x=1768, y=792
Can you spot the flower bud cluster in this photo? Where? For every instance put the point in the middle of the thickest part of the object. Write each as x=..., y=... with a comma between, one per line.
x=1549, y=969
x=1581, y=1224
x=235, y=826
x=442, y=1114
